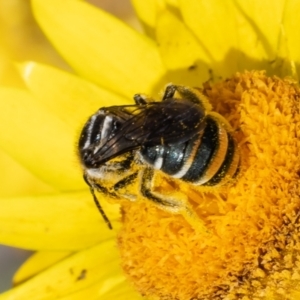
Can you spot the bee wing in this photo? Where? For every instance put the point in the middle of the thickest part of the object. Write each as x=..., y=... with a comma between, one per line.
x=156, y=123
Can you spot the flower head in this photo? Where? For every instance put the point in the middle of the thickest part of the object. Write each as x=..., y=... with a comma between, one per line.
x=250, y=248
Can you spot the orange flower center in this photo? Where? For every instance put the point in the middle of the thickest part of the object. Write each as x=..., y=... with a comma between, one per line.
x=251, y=245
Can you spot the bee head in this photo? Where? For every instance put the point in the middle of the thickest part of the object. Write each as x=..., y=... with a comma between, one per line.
x=100, y=128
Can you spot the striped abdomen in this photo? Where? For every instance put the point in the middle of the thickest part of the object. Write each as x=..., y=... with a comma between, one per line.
x=208, y=158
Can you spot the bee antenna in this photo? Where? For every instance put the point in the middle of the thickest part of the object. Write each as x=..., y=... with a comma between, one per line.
x=104, y=216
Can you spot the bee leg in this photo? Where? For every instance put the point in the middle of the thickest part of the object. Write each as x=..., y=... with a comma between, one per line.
x=112, y=192
x=98, y=187
x=172, y=205
x=123, y=183
x=169, y=92
x=140, y=99
x=191, y=94
x=104, y=190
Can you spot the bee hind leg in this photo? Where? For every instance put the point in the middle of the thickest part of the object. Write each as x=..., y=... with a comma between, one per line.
x=172, y=205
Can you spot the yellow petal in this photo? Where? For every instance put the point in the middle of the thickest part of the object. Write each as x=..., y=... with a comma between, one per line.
x=183, y=56
x=122, y=291
x=21, y=37
x=95, y=270
x=172, y=3
x=65, y=95
x=37, y=263
x=100, y=47
x=117, y=291
x=147, y=11
x=67, y=221
x=261, y=34
x=39, y=139
x=26, y=183
x=213, y=23
x=8, y=73
x=289, y=38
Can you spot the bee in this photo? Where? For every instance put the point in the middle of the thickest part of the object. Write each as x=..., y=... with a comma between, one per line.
x=180, y=136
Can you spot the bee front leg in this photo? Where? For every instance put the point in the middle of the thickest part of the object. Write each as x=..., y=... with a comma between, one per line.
x=191, y=94
x=169, y=92
x=121, y=187
x=140, y=99
x=172, y=205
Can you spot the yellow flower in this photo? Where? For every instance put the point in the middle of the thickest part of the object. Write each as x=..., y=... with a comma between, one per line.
x=250, y=250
